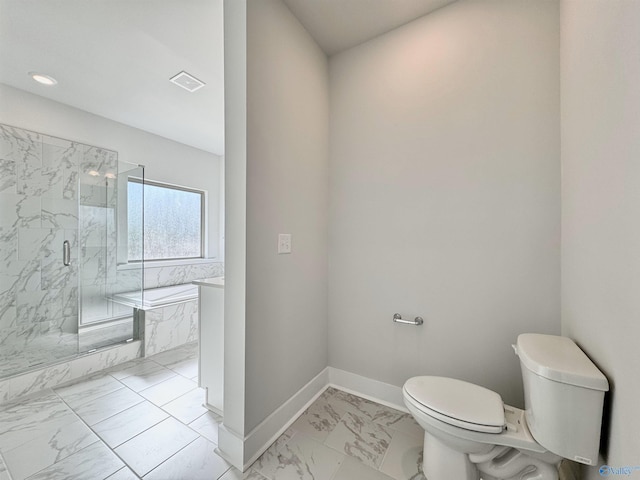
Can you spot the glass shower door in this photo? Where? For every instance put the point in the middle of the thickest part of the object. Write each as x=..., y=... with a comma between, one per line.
x=60, y=216
x=38, y=279
x=105, y=272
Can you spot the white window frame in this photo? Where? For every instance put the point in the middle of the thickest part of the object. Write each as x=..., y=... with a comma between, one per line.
x=203, y=224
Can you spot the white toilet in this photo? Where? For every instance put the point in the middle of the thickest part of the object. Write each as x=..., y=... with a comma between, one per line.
x=470, y=434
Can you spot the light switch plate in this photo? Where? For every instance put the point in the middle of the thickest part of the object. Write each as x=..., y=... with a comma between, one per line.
x=284, y=243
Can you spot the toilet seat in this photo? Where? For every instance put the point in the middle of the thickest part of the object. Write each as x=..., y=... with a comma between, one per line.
x=458, y=403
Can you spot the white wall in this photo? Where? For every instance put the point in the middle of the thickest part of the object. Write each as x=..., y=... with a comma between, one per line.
x=287, y=183
x=232, y=432
x=164, y=159
x=444, y=194
x=600, y=48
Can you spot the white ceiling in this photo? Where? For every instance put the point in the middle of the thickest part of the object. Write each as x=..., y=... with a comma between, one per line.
x=114, y=58
x=337, y=25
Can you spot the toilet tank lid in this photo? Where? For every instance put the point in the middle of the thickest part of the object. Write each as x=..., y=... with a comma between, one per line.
x=559, y=359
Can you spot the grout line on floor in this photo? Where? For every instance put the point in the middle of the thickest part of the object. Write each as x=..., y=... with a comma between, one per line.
x=99, y=438
x=168, y=458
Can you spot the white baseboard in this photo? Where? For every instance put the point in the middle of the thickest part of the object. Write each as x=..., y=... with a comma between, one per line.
x=379, y=392
x=262, y=436
x=213, y=409
x=233, y=443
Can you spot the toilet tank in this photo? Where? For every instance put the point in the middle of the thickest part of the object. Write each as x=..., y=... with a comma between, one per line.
x=563, y=396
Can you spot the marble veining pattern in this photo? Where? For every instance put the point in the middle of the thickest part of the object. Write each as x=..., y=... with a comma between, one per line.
x=52, y=447
x=359, y=438
x=52, y=190
x=107, y=405
x=7, y=175
x=73, y=431
x=170, y=326
x=197, y=461
x=96, y=461
x=374, y=442
x=4, y=473
x=118, y=429
x=47, y=185
x=300, y=457
x=32, y=235
x=54, y=375
x=318, y=420
x=404, y=457
x=149, y=449
x=175, y=275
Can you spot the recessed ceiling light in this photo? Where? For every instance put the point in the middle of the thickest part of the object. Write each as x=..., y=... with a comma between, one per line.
x=187, y=81
x=43, y=79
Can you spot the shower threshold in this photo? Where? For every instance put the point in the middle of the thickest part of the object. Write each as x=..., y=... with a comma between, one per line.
x=34, y=353
x=55, y=347
x=94, y=337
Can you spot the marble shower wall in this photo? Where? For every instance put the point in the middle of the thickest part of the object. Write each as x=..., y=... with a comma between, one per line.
x=52, y=190
x=38, y=211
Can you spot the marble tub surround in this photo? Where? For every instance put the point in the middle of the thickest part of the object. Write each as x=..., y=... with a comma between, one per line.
x=167, y=327
x=166, y=273
x=180, y=273
x=170, y=326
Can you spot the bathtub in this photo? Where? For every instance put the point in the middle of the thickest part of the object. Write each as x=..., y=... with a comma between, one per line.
x=166, y=318
x=158, y=297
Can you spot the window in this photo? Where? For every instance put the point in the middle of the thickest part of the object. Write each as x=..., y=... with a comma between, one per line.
x=173, y=221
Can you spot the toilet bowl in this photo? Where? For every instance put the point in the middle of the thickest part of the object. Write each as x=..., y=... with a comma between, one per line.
x=471, y=434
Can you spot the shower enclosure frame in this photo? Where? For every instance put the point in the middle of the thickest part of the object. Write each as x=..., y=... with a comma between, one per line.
x=61, y=221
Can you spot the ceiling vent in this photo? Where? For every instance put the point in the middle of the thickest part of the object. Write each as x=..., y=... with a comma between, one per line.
x=186, y=81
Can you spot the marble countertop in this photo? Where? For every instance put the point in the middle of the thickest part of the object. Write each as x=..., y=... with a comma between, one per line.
x=217, y=282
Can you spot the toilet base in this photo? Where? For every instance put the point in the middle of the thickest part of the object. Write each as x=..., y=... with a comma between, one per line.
x=441, y=462
x=505, y=463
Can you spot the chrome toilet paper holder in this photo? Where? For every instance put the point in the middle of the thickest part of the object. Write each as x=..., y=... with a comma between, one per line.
x=416, y=321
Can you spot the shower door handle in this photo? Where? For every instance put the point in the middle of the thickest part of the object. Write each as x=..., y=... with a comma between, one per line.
x=66, y=253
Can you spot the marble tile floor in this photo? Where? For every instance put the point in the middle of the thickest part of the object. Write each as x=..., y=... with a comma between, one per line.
x=144, y=419
x=343, y=437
